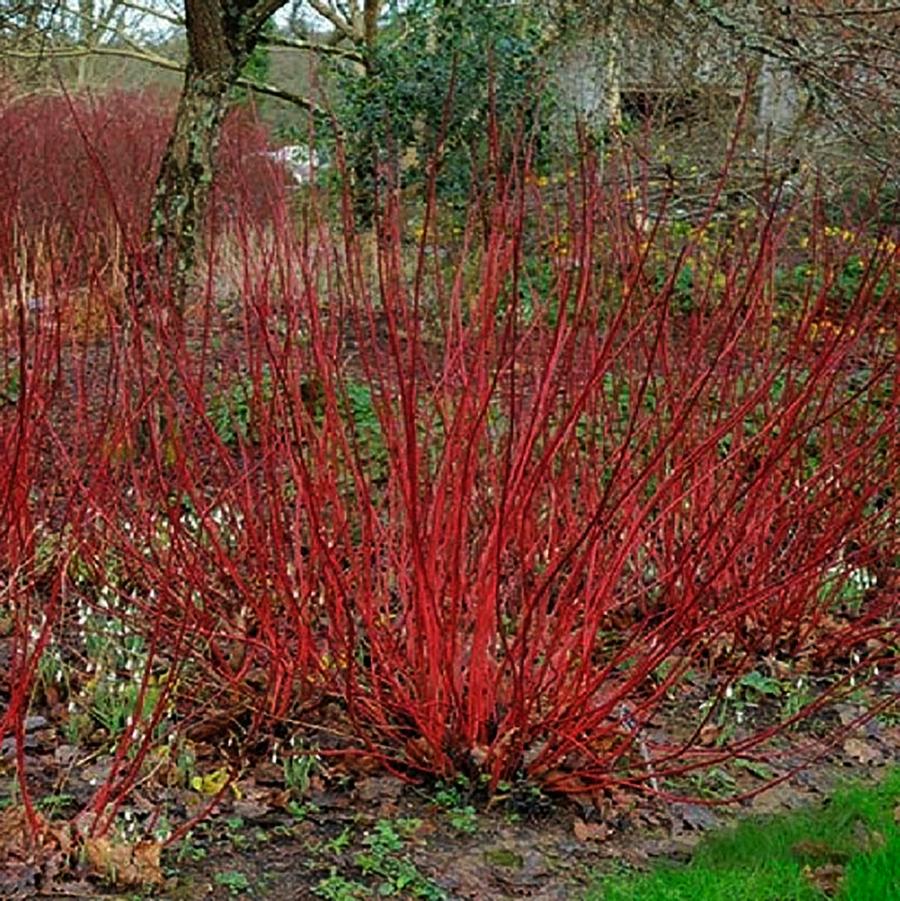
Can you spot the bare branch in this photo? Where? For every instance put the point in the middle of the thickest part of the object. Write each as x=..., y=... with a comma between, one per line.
x=271, y=90
x=313, y=47
x=145, y=56
x=343, y=26
x=162, y=62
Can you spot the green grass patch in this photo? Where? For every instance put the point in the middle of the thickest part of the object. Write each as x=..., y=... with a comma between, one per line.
x=847, y=849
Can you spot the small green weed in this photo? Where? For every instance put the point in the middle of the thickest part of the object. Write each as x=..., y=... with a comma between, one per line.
x=340, y=842
x=234, y=880
x=190, y=850
x=56, y=804
x=337, y=888
x=231, y=410
x=237, y=834
x=463, y=819
x=299, y=768
x=383, y=859
x=360, y=412
x=460, y=815
x=300, y=811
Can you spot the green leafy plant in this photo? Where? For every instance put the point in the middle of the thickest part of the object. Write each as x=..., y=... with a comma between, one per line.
x=56, y=804
x=359, y=409
x=384, y=859
x=341, y=841
x=230, y=409
x=234, y=880
x=461, y=815
x=336, y=887
x=299, y=764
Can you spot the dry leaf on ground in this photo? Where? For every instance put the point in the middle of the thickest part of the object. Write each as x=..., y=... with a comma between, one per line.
x=692, y=816
x=25, y=863
x=13, y=829
x=125, y=864
x=862, y=751
x=820, y=851
x=590, y=832
x=826, y=879
x=776, y=799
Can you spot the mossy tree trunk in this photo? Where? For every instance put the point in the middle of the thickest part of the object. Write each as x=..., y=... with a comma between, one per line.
x=221, y=36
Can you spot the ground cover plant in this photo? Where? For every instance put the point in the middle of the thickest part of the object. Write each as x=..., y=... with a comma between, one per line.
x=847, y=849
x=486, y=496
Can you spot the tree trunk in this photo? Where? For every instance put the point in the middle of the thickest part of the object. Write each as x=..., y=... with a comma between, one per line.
x=221, y=36
x=780, y=104
x=185, y=177
x=589, y=73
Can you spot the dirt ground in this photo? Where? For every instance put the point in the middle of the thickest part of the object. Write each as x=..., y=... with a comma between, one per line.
x=363, y=833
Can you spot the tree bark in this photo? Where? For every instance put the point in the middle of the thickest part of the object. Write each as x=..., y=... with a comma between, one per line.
x=221, y=36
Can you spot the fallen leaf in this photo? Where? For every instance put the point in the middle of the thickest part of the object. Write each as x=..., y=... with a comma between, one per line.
x=862, y=751
x=890, y=737
x=13, y=830
x=709, y=733
x=479, y=754
x=826, y=879
x=868, y=841
x=819, y=851
x=848, y=713
x=590, y=832
x=776, y=798
x=124, y=864
x=268, y=773
x=379, y=788
x=18, y=880
x=251, y=809
x=566, y=783
x=212, y=783
x=694, y=816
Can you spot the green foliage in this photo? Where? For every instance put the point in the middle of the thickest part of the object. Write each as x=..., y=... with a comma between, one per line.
x=766, y=859
x=846, y=587
x=230, y=411
x=383, y=858
x=235, y=881
x=259, y=65
x=460, y=815
x=401, y=100
x=54, y=805
x=298, y=770
x=359, y=409
x=338, y=888
x=10, y=388
x=736, y=705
